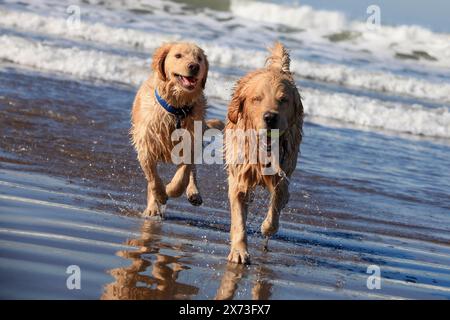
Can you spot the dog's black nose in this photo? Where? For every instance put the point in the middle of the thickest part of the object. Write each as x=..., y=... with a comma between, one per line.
x=270, y=119
x=194, y=68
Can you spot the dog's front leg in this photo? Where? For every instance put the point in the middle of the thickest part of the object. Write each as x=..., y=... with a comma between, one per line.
x=278, y=200
x=179, y=182
x=185, y=179
x=156, y=194
x=192, y=193
x=239, y=207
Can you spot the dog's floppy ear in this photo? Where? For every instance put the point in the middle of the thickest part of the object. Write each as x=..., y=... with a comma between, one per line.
x=237, y=103
x=234, y=109
x=206, y=70
x=159, y=57
x=298, y=102
x=298, y=105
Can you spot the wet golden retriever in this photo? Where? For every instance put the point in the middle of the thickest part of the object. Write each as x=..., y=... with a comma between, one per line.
x=172, y=97
x=264, y=99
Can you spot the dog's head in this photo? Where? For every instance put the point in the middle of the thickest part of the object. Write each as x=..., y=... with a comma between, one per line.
x=183, y=65
x=267, y=98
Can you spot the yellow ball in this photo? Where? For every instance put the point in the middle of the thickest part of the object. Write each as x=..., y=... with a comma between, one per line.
x=274, y=134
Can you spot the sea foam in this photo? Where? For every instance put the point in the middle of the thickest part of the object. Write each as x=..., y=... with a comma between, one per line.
x=229, y=55
x=414, y=43
x=93, y=64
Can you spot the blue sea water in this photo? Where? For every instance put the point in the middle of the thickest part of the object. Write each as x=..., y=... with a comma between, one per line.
x=372, y=183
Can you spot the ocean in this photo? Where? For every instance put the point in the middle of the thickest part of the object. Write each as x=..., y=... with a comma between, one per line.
x=372, y=184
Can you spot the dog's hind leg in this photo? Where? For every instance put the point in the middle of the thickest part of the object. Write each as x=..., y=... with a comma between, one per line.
x=192, y=192
x=180, y=181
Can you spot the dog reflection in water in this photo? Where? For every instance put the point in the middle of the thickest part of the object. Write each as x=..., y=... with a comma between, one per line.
x=262, y=289
x=135, y=282
x=157, y=279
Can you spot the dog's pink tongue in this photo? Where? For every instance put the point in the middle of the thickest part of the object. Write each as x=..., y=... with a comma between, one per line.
x=185, y=81
x=188, y=81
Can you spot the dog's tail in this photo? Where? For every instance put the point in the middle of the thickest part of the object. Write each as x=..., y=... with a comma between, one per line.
x=215, y=124
x=279, y=58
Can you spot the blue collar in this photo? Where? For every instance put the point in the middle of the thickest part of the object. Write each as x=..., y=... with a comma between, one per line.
x=180, y=113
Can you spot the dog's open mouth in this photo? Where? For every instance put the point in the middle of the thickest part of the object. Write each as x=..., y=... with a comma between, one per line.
x=187, y=82
x=272, y=136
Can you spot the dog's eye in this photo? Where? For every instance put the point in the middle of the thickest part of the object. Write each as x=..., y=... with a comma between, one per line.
x=283, y=100
x=178, y=55
x=256, y=99
x=199, y=58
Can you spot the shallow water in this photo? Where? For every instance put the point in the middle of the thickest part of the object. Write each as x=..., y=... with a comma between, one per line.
x=371, y=187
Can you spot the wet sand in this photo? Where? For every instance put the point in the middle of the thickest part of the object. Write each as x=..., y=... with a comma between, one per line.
x=71, y=191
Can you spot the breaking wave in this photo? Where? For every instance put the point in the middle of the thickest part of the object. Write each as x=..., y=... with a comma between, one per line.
x=93, y=64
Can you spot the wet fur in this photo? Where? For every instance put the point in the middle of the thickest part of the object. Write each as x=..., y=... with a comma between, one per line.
x=152, y=125
x=242, y=178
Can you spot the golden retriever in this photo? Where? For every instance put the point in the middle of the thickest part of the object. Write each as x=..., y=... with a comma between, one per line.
x=172, y=97
x=264, y=99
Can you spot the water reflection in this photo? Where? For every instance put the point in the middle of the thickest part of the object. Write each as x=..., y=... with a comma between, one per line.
x=151, y=275
x=232, y=277
x=154, y=275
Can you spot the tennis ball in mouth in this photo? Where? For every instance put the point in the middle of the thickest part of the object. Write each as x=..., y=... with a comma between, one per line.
x=274, y=134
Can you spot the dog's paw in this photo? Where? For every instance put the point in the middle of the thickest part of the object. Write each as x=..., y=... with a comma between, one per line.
x=161, y=197
x=239, y=256
x=153, y=212
x=155, y=218
x=269, y=227
x=195, y=199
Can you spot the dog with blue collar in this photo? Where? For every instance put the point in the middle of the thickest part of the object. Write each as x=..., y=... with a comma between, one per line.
x=171, y=98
